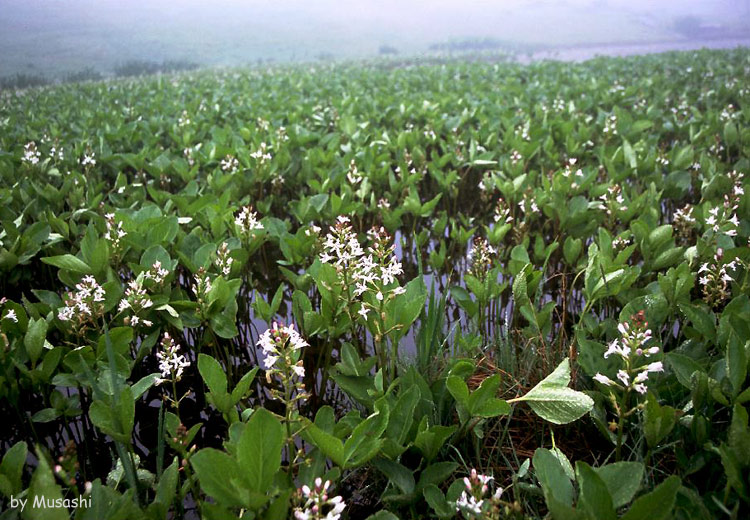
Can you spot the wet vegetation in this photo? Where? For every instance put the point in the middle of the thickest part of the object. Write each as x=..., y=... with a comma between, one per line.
x=389, y=290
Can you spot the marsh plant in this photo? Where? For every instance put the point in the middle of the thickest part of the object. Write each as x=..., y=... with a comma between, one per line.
x=331, y=290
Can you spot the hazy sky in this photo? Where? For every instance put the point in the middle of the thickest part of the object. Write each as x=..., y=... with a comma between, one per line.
x=59, y=35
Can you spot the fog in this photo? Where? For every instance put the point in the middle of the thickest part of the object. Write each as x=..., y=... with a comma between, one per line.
x=54, y=37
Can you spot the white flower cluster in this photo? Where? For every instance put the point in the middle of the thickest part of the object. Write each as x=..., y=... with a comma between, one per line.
x=502, y=212
x=136, y=298
x=684, y=222
x=718, y=222
x=569, y=168
x=171, y=364
x=188, y=154
x=480, y=257
x=114, y=232
x=715, y=279
x=56, y=151
x=353, y=175
x=262, y=155
x=281, y=134
x=317, y=504
x=230, y=164
x=610, y=125
x=223, y=260
x=183, y=120
x=515, y=157
x=341, y=247
x=620, y=243
x=247, y=222
x=473, y=498
x=728, y=113
x=613, y=200
x=201, y=285
x=89, y=159
x=631, y=347
x=31, y=154
x=276, y=340
x=157, y=273
x=11, y=315
x=522, y=131
x=662, y=159
x=84, y=305
x=373, y=270
x=528, y=205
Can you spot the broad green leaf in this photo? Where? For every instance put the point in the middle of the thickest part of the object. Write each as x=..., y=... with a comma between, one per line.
x=623, y=479
x=259, y=449
x=594, y=495
x=69, y=262
x=552, y=477
x=553, y=401
x=657, y=504
x=212, y=373
x=43, y=485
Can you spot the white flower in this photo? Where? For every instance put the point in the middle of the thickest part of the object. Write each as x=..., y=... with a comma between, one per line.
x=171, y=364
x=624, y=377
x=603, y=379
x=11, y=315
x=469, y=503
x=247, y=221
x=317, y=502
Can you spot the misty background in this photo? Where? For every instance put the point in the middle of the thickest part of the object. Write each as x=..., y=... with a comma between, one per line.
x=57, y=37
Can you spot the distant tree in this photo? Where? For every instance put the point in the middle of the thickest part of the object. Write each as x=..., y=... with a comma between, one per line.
x=387, y=50
x=23, y=81
x=86, y=74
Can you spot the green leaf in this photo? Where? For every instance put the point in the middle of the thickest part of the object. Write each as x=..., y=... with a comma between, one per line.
x=658, y=421
x=736, y=364
x=623, y=479
x=594, y=495
x=34, y=339
x=212, y=373
x=435, y=474
x=430, y=440
x=437, y=502
x=655, y=505
x=11, y=468
x=553, y=401
x=402, y=415
x=701, y=319
x=458, y=389
x=167, y=488
x=69, y=262
x=259, y=449
x=43, y=485
x=243, y=386
x=572, y=248
x=551, y=475
x=397, y=474
x=215, y=470
x=46, y=415
x=329, y=445
x=485, y=392
x=683, y=368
